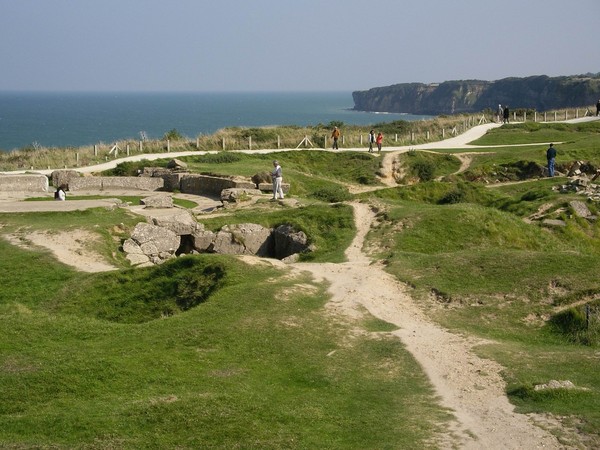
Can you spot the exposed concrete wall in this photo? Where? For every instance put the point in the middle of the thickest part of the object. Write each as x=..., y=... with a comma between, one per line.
x=268, y=187
x=24, y=183
x=107, y=183
x=204, y=184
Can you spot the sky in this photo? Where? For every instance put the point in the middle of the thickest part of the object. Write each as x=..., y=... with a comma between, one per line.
x=289, y=45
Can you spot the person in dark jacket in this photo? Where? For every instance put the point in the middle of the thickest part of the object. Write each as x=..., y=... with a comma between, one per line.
x=506, y=114
x=551, y=157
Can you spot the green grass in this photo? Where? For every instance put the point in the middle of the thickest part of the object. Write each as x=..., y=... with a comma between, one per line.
x=244, y=367
x=205, y=351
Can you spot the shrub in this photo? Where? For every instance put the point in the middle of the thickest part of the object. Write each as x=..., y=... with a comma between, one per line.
x=425, y=170
x=332, y=194
x=173, y=135
x=572, y=324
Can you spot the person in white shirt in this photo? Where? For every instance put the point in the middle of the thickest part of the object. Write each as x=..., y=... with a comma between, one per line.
x=277, y=176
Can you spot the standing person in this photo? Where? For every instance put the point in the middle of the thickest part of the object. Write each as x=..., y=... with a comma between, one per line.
x=335, y=134
x=506, y=114
x=598, y=108
x=551, y=157
x=379, y=140
x=371, y=140
x=277, y=176
x=500, y=113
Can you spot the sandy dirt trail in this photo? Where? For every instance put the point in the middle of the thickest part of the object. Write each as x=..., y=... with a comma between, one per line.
x=467, y=384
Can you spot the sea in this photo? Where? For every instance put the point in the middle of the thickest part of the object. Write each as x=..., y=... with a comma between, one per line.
x=74, y=119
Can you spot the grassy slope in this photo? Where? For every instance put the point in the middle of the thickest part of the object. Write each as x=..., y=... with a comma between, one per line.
x=227, y=368
x=496, y=276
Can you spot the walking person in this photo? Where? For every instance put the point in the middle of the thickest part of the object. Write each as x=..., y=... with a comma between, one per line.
x=506, y=114
x=598, y=108
x=335, y=135
x=371, y=140
x=379, y=140
x=499, y=114
x=551, y=157
x=277, y=176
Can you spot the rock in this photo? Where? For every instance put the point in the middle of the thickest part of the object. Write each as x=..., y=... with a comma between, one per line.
x=580, y=208
x=243, y=239
x=238, y=194
x=261, y=177
x=176, y=164
x=287, y=241
x=154, y=240
x=554, y=384
x=158, y=201
x=181, y=222
x=554, y=222
x=132, y=248
x=138, y=260
x=202, y=240
x=63, y=177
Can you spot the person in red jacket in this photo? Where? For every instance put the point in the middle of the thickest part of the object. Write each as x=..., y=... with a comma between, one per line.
x=379, y=140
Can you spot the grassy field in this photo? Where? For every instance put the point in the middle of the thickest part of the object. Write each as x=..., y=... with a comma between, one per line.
x=208, y=352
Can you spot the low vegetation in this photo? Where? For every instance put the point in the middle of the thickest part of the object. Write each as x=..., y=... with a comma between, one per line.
x=206, y=351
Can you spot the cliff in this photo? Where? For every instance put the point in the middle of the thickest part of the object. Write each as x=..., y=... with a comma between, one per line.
x=541, y=93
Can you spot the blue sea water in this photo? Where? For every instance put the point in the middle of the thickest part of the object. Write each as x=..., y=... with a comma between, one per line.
x=59, y=119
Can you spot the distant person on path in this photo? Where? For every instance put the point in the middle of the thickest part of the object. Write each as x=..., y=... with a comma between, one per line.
x=335, y=134
x=551, y=157
x=598, y=108
x=379, y=140
x=277, y=176
x=371, y=140
x=500, y=113
x=506, y=114
x=60, y=194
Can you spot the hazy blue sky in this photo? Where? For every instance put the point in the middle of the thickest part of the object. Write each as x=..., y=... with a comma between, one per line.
x=289, y=45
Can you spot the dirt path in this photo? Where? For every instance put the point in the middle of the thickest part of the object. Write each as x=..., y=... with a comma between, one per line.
x=470, y=386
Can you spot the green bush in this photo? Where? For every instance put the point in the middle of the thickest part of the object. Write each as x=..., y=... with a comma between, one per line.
x=454, y=196
x=173, y=135
x=572, y=324
x=425, y=170
x=332, y=194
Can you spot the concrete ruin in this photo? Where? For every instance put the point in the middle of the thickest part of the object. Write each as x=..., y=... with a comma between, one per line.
x=24, y=183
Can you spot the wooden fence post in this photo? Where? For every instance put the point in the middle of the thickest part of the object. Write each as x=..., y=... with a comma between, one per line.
x=278, y=141
x=555, y=116
x=249, y=142
x=223, y=143
x=95, y=150
x=141, y=146
x=197, y=143
x=168, y=145
x=127, y=149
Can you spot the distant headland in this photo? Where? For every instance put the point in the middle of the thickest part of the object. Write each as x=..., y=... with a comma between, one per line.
x=540, y=93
